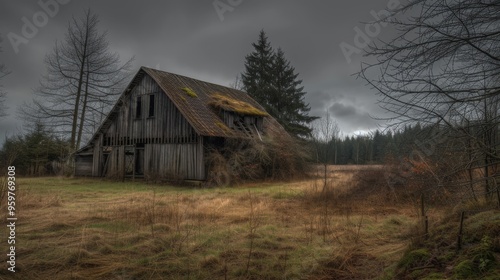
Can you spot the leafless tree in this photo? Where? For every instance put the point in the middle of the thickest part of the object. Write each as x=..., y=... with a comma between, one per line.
x=237, y=83
x=443, y=69
x=325, y=135
x=83, y=78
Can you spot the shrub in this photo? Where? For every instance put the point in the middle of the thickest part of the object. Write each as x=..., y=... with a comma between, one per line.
x=414, y=258
x=464, y=270
x=276, y=158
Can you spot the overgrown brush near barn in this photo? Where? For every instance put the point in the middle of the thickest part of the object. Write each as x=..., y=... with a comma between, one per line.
x=279, y=157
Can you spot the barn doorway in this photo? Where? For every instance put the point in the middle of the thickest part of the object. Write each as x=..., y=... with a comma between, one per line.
x=129, y=161
x=106, y=159
x=138, y=170
x=139, y=160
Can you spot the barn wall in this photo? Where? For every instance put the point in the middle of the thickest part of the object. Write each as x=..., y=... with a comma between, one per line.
x=97, y=157
x=167, y=126
x=170, y=145
x=180, y=161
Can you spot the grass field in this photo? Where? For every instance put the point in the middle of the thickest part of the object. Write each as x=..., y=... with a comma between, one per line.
x=98, y=229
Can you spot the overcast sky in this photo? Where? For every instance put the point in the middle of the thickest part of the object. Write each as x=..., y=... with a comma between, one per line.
x=207, y=40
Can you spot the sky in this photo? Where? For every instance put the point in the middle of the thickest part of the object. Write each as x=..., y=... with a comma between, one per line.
x=208, y=40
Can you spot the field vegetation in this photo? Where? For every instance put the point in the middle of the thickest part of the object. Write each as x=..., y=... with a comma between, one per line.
x=87, y=228
x=352, y=227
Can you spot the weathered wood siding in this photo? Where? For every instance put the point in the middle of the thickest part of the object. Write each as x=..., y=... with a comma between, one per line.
x=182, y=161
x=83, y=165
x=171, y=146
x=167, y=126
x=97, y=157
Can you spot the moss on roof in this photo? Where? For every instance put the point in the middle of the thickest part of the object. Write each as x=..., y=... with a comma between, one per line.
x=229, y=104
x=189, y=92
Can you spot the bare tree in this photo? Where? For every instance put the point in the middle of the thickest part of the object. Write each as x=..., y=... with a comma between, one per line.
x=443, y=69
x=237, y=83
x=325, y=136
x=83, y=76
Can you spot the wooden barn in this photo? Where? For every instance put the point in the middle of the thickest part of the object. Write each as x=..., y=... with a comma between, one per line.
x=163, y=124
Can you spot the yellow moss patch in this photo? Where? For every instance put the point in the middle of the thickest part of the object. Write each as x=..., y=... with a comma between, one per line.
x=189, y=92
x=229, y=104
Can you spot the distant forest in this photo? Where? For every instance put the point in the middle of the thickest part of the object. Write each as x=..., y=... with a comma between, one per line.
x=377, y=147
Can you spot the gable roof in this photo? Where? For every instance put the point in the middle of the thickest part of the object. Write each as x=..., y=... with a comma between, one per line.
x=197, y=109
x=196, y=100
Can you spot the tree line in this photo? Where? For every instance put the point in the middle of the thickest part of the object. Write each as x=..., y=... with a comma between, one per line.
x=37, y=152
x=442, y=70
x=375, y=147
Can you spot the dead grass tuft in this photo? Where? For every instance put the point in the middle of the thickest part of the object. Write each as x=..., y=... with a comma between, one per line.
x=232, y=105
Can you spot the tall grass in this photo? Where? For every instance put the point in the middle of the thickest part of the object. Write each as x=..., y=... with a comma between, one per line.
x=92, y=229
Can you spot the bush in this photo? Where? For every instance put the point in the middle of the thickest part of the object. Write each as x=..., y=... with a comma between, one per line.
x=276, y=158
x=414, y=258
x=464, y=270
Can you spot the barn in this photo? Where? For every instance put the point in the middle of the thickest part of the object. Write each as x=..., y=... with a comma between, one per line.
x=163, y=124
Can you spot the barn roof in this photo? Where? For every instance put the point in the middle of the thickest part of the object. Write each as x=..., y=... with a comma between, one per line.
x=196, y=101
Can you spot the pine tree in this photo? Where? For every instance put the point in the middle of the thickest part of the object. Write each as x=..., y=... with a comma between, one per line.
x=258, y=68
x=33, y=152
x=272, y=82
x=378, y=146
x=287, y=100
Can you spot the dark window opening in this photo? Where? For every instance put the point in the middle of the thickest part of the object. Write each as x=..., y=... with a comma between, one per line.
x=138, y=108
x=139, y=145
x=151, y=105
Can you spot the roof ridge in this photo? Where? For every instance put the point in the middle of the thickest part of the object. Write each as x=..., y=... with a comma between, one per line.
x=187, y=77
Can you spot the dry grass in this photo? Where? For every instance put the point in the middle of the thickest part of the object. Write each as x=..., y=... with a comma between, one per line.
x=229, y=104
x=93, y=229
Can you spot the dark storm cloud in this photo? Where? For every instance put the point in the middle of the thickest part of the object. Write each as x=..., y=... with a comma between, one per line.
x=340, y=110
x=189, y=38
x=351, y=118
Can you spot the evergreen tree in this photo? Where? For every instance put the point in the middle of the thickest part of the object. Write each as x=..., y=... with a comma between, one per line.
x=272, y=82
x=32, y=153
x=287, y=100
x=258, y=70
x=378, y=146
